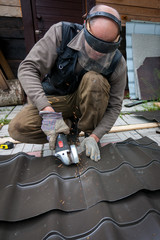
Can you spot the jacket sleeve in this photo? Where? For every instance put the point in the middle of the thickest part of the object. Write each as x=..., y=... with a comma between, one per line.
x=118, y=84
x=38, y=63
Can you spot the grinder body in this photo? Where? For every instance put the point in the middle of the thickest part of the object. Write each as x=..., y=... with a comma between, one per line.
x=67, y=154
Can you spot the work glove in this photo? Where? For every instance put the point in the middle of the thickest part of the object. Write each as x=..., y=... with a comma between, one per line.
x=92, y=149
x=52, y=125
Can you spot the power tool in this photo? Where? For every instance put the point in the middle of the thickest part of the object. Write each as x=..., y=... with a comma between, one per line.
x=7, y=145
x=65, y=152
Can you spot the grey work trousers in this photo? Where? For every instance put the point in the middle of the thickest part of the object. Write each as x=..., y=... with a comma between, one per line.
x=88, y=104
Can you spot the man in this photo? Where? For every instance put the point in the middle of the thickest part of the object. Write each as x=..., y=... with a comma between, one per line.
x=86, y=81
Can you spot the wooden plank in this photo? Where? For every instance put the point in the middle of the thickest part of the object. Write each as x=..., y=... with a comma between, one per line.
x=29, y=31
x=14, y=64
x=3, y=82
x=13, y=49
x=5, y=139
x=59, y=4
x=89, y=5
x=6, y=67
x=126, y=18
x=48, y=22
x=10, y=11
x=49, y=12
x=58, y=12
x=129, y=13
x=11, y=33
x=9, y=23
x=130, y=127
x=134, y=127
x=136, y=3
x=10, y=2
x=140, y=11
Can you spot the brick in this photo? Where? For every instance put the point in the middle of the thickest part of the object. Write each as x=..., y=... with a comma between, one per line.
x=37, y=147
x=36, y=153
x=46, y=146
x=18, y=148
x=48, y=153
x=27, y=147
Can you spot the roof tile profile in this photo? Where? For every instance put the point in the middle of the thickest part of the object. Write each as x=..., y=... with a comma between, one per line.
x=116, y=198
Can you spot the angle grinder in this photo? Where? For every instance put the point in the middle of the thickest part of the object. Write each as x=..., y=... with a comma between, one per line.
x=65, y=152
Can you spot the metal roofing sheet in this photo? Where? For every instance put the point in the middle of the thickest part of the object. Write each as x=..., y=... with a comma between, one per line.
x=148, y=78
x=139, y=43
x=150, y=115
x=117, y=221
x=42, y=199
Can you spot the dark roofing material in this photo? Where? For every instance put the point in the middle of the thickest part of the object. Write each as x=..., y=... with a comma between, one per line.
x=98, y=221
x=148, y=78
x=149, y=115
x=43, y=199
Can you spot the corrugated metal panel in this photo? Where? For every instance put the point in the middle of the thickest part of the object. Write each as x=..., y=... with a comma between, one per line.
x=117, y=198
x=149, y=115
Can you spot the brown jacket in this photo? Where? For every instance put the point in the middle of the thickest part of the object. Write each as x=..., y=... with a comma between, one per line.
x=41, y=59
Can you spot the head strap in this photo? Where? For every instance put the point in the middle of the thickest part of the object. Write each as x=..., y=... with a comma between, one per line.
x=107, y=15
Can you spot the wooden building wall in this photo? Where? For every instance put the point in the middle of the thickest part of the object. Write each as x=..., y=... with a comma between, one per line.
x=144, y=10
x=10, y=8
x=12, y=42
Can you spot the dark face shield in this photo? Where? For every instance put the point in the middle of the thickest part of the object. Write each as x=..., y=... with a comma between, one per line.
x=98, y=44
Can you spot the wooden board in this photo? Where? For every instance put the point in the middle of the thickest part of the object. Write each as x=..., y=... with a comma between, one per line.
x=10, y=11
x=7, y=139
x=135, y=10
x=10, y=2
x=6, y=67
x=134, y=127
x=130, y=127
x=3, y=82
x=10, y=8
x=136, y=3
x=12, y=41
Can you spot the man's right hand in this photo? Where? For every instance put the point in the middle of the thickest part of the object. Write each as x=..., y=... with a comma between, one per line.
x=48, y=109
x=52, y=125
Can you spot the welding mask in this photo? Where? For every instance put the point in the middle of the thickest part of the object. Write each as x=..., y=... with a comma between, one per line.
x=95, y=53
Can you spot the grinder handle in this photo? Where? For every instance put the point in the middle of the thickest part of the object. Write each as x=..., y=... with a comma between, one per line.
x=61, y=143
